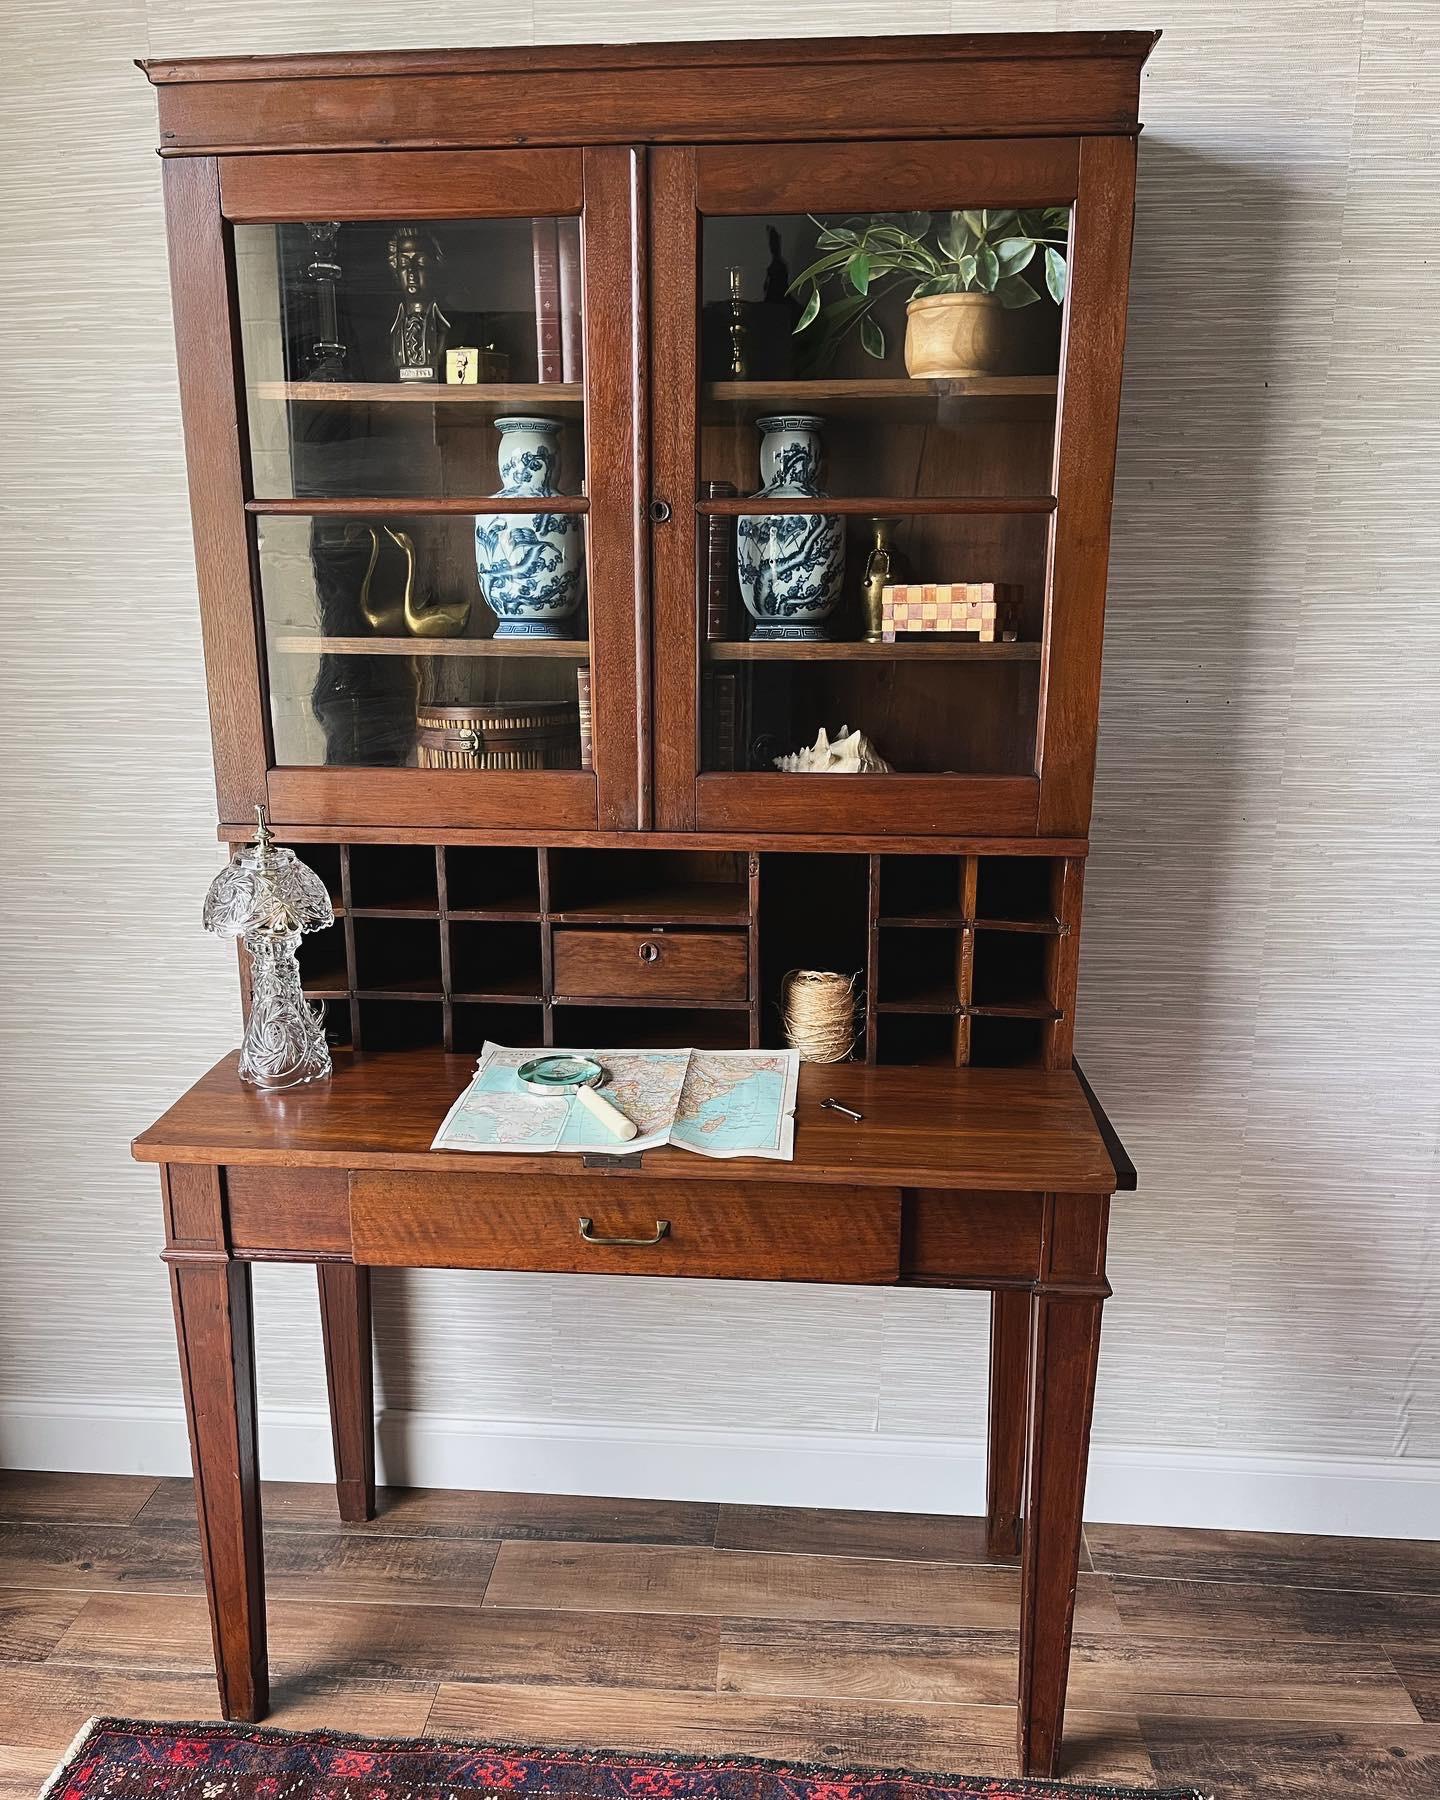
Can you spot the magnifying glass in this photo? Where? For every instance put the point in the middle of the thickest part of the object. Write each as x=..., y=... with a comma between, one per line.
x=578, y=1075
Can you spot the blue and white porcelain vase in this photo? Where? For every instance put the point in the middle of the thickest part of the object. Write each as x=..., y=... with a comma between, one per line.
x=531, y=565
x=792, y=565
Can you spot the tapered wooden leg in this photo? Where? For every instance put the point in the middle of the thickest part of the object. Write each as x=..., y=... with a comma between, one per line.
x=217, y=1366
x=349, y=1374
x=1009, y=1402
x=1065, y=1344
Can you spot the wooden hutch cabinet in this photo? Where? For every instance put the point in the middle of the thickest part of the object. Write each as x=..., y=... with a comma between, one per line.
x=485, y=359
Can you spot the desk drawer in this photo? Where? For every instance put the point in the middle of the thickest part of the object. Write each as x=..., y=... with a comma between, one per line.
x=746, y=1231
x=675, y=965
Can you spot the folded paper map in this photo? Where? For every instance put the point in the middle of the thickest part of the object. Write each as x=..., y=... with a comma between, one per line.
x=715, y=1102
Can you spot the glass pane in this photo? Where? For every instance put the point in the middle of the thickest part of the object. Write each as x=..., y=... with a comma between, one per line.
x=383, y=652
x=977, y=414
x=936, y=703
x=378, y=356
x=866, y=359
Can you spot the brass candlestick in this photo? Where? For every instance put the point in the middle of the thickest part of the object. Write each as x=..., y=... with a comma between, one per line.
x=327, y=354
x=739, y=331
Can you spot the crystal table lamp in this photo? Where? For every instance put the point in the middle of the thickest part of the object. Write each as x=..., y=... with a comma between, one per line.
x=267, y=897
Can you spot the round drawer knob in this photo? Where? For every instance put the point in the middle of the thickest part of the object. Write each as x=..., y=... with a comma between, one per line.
x=648, y=952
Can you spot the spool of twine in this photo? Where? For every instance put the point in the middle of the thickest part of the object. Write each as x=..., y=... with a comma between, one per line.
x=818, y=1010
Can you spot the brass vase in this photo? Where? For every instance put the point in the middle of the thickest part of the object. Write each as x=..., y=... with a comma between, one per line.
x=879, y=573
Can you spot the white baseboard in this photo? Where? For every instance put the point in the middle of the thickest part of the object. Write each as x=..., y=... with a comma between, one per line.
x=1331, y=1496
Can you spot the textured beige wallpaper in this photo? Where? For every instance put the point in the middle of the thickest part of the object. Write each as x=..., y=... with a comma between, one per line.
x=1261, y=984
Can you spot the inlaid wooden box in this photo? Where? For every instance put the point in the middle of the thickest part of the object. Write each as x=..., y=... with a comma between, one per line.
x=989, y=609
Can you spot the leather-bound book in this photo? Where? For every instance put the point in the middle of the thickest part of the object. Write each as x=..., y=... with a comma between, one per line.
x=549, y=355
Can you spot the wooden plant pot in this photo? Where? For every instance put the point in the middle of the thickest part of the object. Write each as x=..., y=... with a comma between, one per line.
x=954, y=334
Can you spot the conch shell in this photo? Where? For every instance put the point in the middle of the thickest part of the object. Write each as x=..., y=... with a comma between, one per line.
x=847, y=753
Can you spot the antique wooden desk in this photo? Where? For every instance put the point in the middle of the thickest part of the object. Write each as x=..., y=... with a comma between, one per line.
x=981, y=1178
x=519, y=664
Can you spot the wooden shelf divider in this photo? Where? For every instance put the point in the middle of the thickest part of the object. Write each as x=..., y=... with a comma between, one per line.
x=928, y=647
x=406, y=506
x=982, y=397
x=1014, y=1009
x=871, y=505
x=497, y=396
x=965, y=958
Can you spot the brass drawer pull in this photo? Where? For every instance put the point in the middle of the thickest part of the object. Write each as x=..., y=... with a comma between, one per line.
x=662, y=1230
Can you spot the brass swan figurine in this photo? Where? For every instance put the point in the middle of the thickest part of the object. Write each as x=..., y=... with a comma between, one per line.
x=400, y=618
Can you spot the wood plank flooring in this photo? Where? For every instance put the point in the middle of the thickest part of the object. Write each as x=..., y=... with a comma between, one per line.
x=1246, y=1663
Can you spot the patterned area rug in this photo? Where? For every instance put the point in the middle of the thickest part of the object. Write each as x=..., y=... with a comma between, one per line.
x=126, y=1759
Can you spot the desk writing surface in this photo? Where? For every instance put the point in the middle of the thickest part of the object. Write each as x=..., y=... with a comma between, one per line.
x=1009, y=1129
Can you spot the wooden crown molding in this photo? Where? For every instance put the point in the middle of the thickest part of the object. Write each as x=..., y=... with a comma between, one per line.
x=956, y=85
x=985, y=46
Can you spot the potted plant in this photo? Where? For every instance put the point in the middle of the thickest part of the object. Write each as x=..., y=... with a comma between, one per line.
x=967, y=269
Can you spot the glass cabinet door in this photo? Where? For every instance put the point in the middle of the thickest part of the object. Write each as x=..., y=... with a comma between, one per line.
x=421, y=397
x=864, y=458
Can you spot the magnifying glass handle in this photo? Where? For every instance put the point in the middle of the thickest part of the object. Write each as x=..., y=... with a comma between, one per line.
x=609, y=1116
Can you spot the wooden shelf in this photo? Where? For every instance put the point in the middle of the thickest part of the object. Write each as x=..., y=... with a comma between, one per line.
x=426, y=987
x=498, y=997
x=652, y=1003
x=938, y=999
x=1041, y=927
x=410, y=506
x=496, y=396
x=866, y=506
x=924, y=1003
x=308, y=644
x=1035, y=1008
x=924, y=649
x=980, y=397
x=522, y=912
x=696, y=905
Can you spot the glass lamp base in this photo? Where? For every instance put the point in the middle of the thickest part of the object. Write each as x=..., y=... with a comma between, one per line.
x=284, y=1043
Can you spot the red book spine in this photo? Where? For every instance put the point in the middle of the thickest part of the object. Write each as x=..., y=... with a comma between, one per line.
x=547, y=299
x=572, y=337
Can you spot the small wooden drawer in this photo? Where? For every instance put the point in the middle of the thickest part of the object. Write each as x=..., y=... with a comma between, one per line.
x=744, y=1231
x=674, y=965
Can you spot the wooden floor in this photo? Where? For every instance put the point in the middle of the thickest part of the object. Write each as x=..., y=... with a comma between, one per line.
x=1246, y=1664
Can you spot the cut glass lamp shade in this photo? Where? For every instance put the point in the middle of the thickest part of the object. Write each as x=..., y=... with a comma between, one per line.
x=263, y=888
x=267, y=898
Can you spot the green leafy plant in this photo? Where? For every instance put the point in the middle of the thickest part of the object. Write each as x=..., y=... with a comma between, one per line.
x=966, y=252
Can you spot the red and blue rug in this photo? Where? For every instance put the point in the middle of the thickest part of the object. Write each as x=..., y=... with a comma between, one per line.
x=125, y=1759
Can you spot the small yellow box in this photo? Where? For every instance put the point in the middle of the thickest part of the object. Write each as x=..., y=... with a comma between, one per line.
x=988, y=609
